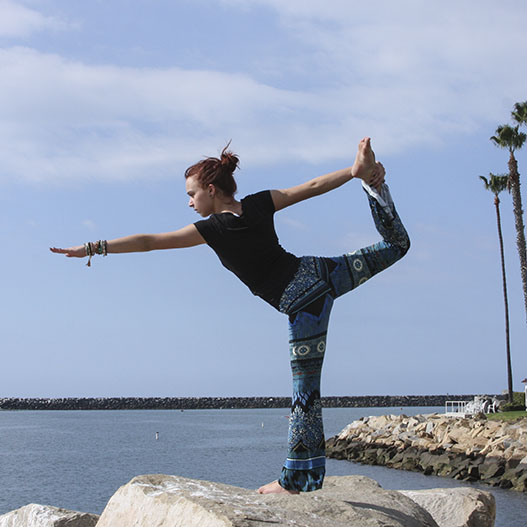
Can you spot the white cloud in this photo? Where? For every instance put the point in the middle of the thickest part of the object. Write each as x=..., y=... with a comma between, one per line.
x=61, y=118
x=17, y=20
x=406, y=73
x=89, y=224
x=292, y=223
x=452, y=63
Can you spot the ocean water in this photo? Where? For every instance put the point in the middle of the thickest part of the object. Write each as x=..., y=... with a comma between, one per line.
x=78, y=459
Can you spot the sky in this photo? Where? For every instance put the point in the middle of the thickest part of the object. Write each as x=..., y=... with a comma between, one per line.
x=103, y=104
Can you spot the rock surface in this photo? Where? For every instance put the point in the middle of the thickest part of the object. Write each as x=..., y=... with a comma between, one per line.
x=350, y=501
x=461, y=507
x=469, y=449
x=34, y=515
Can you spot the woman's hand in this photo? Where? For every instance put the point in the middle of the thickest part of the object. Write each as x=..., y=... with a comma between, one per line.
x=71, y=252
x=377, y=177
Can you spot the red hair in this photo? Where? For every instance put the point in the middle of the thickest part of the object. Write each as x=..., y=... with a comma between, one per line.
x=217, y=172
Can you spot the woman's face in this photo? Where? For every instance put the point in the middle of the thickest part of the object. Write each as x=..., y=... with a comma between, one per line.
x=201, y=199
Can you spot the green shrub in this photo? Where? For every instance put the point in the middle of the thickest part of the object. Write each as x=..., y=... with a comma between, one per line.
x=518, y=403
x=508, y=416
x=511, y=407
x=518, y=398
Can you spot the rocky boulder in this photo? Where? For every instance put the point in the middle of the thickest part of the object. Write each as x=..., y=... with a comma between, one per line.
x=460, y=507
x=349, y=501
x=34, y=515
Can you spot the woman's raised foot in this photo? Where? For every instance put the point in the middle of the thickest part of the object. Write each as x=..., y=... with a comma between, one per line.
x=364, y=165
x=275, y=488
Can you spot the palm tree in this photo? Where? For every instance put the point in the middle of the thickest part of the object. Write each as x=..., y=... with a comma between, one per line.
x=519, y=114
x=497, y=184
x=512, y=139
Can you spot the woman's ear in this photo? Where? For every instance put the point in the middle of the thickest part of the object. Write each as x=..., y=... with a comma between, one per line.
x=212, y=190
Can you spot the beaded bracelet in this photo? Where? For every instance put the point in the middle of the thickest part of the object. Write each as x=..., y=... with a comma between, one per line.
x=99, y=247
x=89, y=252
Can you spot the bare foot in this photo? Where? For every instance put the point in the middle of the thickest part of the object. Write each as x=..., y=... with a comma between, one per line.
x=364, y=165
x=275, y=488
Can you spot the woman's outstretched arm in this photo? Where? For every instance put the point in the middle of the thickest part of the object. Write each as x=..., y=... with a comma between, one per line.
x=364, y=168
x=186, y=237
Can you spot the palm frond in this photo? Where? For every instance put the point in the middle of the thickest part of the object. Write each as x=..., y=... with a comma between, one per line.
x=519, y=114
x=485, y=182
x=509, y=137
x=496, y=183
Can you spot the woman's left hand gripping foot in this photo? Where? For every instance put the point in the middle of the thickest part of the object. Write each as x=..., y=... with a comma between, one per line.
x=378, y=176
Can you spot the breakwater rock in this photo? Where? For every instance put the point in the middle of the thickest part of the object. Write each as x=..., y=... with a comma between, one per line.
x=348, y=501
x=206, y=403
x=34, y=515
x=468, y=449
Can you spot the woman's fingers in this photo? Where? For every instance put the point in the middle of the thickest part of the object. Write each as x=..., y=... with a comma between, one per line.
x=376, y=178
x=70, y=252
x=58, y=250
x=379, y=169
x=378, y=175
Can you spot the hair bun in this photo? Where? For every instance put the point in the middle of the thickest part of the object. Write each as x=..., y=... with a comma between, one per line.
x=228, y=160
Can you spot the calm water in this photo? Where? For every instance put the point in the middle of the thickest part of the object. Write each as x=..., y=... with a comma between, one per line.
x=77, y=460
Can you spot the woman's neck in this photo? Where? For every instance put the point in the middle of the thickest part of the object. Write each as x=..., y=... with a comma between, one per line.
x=227, y=205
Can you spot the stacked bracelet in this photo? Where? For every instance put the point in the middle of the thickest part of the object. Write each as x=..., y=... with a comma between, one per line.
x=89, y=252
x=99, y=247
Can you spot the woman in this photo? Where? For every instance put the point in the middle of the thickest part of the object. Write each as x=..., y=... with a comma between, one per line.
x=243, y=236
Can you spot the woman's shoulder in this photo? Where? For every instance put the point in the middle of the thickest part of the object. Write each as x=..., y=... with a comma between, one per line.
x=261, y=200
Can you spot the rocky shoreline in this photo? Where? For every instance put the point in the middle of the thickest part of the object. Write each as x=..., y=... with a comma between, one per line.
x=467, y=449
x=344, y=501
x=209, y=403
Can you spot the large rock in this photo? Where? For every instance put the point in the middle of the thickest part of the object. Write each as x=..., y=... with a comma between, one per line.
x=34, y=515
x=349, y=501
x=460, y=507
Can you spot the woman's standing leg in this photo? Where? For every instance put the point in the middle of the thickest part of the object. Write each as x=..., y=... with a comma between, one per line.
x=304, y=467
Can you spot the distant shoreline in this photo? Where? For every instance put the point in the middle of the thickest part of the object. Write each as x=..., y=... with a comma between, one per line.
x=217, y=403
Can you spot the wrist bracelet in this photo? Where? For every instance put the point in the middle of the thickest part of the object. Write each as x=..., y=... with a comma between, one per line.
x=89, y=252
x=99, y=247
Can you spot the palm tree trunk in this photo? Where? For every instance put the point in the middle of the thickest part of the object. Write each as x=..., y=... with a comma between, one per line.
x=506, y=300
x=518, y=221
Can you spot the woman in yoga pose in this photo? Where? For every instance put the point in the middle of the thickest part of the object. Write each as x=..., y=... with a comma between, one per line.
x=242, y=235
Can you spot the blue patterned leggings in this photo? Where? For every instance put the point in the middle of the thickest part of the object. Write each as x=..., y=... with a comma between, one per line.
x=308, y=300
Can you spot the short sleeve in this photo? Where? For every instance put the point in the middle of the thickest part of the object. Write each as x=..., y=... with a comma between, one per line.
x=262, y=201
x=207, y=229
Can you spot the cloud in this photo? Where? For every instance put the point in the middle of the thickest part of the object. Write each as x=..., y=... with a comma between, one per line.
x=62, y=118
x=17, y=20
x=292, y=223
x=409, y=74
x=449, y=63
x=89, y=224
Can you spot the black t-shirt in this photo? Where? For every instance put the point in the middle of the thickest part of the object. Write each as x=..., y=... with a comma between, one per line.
x=248, y=246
